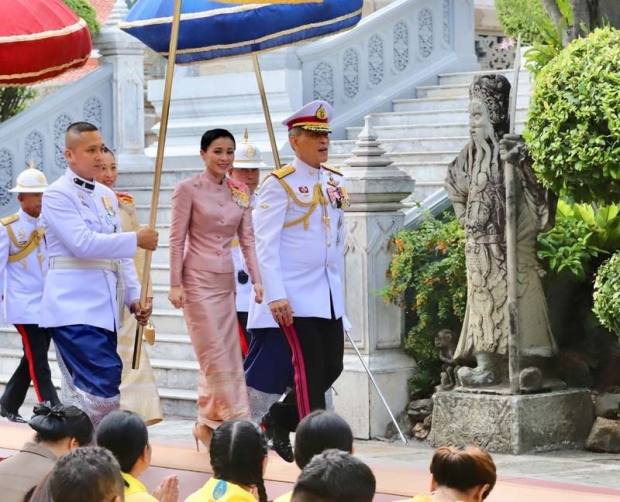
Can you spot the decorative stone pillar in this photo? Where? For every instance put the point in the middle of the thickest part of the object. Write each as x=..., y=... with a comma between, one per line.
x=375, y=188
x=126, y=54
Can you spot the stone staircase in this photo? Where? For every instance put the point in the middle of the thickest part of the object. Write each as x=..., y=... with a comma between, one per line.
x=422, y=135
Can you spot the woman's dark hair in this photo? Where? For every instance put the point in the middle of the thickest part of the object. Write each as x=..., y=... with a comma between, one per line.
x=463, y=470
x=86, y=475
x=237, y=450
x=124, y=434
x=39, y=492
x=335, y=476
x=108, y=150
x=212, y=134
x=321, y=430
x=60, y=422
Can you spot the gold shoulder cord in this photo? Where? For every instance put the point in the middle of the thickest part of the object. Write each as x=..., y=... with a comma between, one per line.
x=317, y=198
x=27, y=248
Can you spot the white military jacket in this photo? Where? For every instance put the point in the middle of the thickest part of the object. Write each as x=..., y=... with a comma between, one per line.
x=23, y=264
x=81, y=220
x=244, y=291
x=299, y=234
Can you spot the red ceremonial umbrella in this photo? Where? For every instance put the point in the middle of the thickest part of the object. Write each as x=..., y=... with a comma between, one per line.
x=39, y=40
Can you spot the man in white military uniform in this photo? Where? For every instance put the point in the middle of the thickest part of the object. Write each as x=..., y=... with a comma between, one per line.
x=246, y=169
x=299, y=231
x=23, y=265
x=91, y=275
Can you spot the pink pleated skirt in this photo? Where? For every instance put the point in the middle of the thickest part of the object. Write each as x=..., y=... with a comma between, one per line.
x=211, y=318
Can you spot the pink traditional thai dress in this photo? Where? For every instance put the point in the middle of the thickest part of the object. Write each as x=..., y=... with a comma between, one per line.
x=206, y=217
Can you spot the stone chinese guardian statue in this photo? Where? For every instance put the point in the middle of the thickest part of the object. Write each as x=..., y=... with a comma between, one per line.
x=475, y=184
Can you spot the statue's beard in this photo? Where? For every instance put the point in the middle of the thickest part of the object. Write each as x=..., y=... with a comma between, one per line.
x=484, y=150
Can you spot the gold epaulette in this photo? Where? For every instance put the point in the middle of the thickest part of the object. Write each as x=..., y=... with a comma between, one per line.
x=7, y=220
x=334, y=170
x=282, y=172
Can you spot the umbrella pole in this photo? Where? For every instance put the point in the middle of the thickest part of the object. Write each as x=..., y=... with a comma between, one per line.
x=159, y=163
x=263, y=97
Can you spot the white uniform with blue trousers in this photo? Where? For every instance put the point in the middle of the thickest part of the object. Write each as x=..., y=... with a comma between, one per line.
x=91, y=276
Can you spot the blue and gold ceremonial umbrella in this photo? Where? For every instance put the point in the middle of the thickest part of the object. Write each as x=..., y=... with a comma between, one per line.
x=191, y=31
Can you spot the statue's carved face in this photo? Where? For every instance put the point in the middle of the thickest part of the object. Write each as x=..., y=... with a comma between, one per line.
x=479, y=120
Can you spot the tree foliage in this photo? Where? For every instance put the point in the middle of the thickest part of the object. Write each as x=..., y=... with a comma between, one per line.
x=14, y=100
x=87, y=12
x=573, y=125
x=529, y=19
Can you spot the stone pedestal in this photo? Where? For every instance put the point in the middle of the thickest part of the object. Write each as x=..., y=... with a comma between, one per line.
x=512, y=423
x=126, y=54
x=375, y=188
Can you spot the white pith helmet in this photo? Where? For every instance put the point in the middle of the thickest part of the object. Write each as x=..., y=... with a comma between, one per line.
x=30, y=180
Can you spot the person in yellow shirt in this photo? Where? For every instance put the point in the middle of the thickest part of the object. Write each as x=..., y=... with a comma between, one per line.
x=459, y=475
x=124, y=433
x=321, y=430
x=238, y=452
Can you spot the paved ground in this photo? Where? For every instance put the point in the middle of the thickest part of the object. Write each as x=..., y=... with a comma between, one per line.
x=573, y=467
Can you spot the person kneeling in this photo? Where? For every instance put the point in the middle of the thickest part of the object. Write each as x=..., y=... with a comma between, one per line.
x=124, y=433
x=335, y=476
x=238, y=452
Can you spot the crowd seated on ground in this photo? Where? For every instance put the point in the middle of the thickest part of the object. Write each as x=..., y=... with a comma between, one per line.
x=59, y=430
x=67, y=471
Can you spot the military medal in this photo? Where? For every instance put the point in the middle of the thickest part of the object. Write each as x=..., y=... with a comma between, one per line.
x=240, y=198
x=109, y=208
x=338, y=197
x=22, y=235
x=332, y=181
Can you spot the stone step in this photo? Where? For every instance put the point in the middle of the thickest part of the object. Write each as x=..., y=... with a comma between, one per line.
x=451, y=91
x=429, y=117
x=142, y=194
x=392, y=132
x=401, y=145
x=468, y=77
x=176, y=403
x=444, y=103
x=171, y=346
x=423, y=172
x=176, y=374
x=167, y=319
x=164, y=212
x=170, y=176
x=425, y=189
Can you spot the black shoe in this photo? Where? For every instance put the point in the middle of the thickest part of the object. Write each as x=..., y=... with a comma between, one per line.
x=11, y=417
x=279, y=439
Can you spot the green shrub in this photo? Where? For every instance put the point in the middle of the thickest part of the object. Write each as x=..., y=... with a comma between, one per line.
x=428, y=279
x=580, y=235
x=607, y=294
x=87, y=12
x=14, y=100
x=529, y=19
x=573, y=125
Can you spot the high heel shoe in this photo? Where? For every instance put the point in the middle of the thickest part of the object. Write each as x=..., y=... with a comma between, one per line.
x=202, y=433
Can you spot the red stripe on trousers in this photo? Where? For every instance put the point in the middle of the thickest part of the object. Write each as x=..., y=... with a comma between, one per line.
x=28, y=354
x=243, y=341
x=299, y=367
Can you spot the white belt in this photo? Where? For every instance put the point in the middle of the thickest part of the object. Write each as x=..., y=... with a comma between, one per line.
x=116, y=266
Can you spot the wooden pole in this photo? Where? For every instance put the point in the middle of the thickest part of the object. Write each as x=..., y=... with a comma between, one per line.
x=263, y=97
x=159, y=164
x=511, y=244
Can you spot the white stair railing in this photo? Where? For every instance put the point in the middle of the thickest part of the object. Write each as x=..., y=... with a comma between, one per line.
x=38, y=134
x=405, y=44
